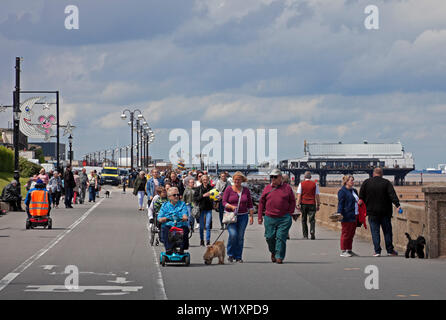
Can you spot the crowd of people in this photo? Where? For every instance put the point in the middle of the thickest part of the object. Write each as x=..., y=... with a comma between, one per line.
x=70, y=185
x=188, y=200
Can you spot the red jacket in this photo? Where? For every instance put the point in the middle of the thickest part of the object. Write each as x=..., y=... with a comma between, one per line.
x=362, y=214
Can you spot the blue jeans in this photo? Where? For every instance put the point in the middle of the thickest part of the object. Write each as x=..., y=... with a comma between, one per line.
x=189, y=214
x=208, y=215
x=91, y=194
x=69, y=192
x=386, y=224
x=221, y=210
x=237, y=236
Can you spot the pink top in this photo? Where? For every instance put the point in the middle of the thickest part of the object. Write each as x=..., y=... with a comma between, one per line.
x=44, y=178
x=231, y=197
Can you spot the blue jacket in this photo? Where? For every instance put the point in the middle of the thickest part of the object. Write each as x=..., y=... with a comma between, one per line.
x=150, y=186
x=346, y=204
x=175, y=213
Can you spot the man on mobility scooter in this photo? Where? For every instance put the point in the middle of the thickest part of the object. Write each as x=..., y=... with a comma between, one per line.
x=38, y=207
x=173, y=217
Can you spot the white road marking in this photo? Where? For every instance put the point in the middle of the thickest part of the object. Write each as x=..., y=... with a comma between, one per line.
x=80, y=289
x=25, y=265
x=120, y=280
x=160, y=293
x=48, y=267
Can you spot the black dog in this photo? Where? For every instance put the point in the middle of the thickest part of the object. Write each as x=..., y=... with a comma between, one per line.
x=107, y=194
x=415, y=246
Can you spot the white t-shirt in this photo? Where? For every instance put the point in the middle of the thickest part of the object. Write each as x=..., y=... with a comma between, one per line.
x=356, y=202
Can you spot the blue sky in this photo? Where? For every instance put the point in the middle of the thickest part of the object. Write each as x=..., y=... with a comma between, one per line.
x=308, y=68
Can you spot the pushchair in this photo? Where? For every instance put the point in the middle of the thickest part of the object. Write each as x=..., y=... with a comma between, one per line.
x=155, y=230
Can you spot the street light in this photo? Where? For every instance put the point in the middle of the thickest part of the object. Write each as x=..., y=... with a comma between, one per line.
x=70, y=142
x=130, y=123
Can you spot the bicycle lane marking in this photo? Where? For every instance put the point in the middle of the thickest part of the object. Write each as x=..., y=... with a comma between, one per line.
x=27, y=263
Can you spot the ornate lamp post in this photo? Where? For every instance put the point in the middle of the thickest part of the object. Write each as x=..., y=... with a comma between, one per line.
x=130, y=123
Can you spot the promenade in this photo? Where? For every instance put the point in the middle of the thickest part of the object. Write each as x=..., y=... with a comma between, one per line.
x=108, y=243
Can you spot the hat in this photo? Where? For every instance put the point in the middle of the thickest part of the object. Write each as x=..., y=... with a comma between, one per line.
x=275, y=172
x=39, y=181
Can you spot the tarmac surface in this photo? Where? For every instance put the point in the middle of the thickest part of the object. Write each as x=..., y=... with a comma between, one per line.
x=107, y=243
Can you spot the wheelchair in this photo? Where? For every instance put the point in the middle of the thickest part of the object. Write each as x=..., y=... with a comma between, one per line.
x=176, y=256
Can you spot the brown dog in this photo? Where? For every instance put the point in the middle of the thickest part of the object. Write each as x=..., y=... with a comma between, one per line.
x=217, y=250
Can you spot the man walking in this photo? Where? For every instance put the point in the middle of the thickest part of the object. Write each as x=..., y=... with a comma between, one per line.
x=278, y=203
x=308, y=200
x=378, y=195
x=221, y=186
x=83, y=176
x=69, y=185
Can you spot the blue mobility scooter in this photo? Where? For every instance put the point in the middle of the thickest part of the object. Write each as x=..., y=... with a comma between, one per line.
x=176, y=257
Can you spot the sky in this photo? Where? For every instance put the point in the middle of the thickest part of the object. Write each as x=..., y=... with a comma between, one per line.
x=308, y=68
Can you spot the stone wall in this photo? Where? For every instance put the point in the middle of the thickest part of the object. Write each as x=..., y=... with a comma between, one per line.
x=435, y=207
x=413, y=221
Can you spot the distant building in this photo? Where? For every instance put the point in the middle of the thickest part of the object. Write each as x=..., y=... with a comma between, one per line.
x=50, y=149
x=352, y=155
x=7, y=139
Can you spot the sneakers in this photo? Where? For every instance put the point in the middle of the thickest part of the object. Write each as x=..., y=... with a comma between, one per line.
x=231, y=259
x=392, y=254
x=208, y=243
x=239, y=260
x=352, y=253
x=345, y=254
x=377, y=254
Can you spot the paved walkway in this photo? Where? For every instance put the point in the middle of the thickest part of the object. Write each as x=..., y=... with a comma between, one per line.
x=108, y=244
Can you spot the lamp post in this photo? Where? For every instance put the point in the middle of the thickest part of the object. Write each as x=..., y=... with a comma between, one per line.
x=130, y=123
x=70, y=143
x=16, y=118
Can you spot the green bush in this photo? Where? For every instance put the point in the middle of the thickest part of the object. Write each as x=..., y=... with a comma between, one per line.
x=6, y=159
x=28, y=169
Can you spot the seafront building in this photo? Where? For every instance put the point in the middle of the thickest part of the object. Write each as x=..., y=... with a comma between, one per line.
x=351, y=158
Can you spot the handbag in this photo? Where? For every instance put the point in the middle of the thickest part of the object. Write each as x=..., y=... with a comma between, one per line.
x=196, y=212
x=231, y=217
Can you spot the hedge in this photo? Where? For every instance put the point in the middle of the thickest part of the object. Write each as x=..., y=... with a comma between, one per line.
x=6, y=159
x=27, y=168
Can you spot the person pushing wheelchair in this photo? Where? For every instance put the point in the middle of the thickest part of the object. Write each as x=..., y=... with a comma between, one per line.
x=174, y=213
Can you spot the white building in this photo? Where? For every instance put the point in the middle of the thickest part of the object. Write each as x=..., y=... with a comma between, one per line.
x=355, y=155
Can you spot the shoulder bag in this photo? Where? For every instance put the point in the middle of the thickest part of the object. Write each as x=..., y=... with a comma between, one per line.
x=231, y=217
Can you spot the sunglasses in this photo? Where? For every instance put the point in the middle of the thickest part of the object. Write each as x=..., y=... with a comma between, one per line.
x=274, y=177
x=175, y=195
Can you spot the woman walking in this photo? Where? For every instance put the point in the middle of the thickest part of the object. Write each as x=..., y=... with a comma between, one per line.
x=92, y=185
x=201, y=196
x=348, y=207
x=55, y=189
x=238, y=199
x=139, y=189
